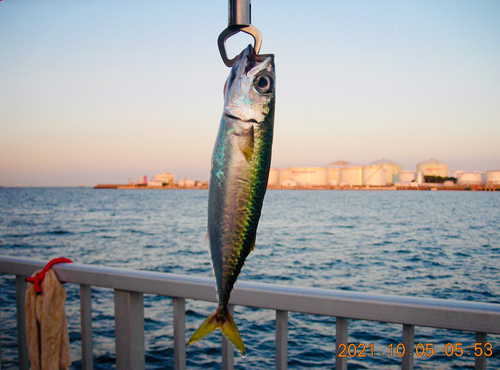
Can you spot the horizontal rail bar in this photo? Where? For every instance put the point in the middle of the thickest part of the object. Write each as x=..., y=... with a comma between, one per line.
x=429, y=312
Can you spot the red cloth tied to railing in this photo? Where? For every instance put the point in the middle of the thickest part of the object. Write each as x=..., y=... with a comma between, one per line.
x=37, y=280
x=46, y=324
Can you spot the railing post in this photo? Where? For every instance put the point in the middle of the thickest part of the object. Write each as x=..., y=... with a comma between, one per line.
x=409, y=344
x=129, y=330
x=281, y=340
x=86, y=326
x=342, y=337
x=227, y=348
x=0, y=343
x=22, y=343
x=179, y=334
x=480, y=361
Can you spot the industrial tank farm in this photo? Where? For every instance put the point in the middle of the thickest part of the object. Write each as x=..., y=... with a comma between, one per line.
x=383, y=174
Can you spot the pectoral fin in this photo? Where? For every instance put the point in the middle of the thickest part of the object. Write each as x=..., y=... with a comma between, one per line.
x=246, y=143
x=253, y=244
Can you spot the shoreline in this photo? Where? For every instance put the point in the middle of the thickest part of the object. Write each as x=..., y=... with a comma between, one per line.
x=423, y=187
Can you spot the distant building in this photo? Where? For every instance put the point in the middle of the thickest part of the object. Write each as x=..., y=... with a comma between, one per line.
x=154, y=184
x=188, y=183
x=165, y=178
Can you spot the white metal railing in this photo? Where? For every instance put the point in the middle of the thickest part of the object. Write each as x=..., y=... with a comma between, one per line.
x=130, y=285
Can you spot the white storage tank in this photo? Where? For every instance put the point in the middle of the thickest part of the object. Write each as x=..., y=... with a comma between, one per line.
x=433, y=167
x=406, y=176
x=470, y=178
x=420, y=178
x=493, y=178
x=374, y=176
x=392, y=170
x=284, y=176
x=333, y=176
x=351, y=175
x=274, y=177
x=309, y=176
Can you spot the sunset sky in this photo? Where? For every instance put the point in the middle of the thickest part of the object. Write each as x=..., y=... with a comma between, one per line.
x=97, y=91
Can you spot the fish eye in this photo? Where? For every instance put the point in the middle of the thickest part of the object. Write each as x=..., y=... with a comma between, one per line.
x=263, y=83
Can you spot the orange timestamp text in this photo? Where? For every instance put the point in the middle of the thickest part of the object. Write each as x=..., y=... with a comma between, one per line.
x=420, y=350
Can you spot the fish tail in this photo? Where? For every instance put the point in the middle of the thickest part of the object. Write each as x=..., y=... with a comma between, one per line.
x=226, y=325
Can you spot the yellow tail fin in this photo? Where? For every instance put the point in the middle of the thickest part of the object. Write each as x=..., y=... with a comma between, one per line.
x=227, y=326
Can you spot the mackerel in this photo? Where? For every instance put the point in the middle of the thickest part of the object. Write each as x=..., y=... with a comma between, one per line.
x=238, y=180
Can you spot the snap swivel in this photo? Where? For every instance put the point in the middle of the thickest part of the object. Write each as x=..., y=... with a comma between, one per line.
x=239, y=20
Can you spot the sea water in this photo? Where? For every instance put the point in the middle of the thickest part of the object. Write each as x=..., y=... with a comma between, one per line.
x=406, y=243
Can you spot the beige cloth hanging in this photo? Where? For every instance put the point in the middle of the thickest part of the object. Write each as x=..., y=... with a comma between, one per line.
x=46, y=325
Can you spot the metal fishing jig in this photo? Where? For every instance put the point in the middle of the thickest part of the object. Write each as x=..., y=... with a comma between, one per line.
x=239, y=20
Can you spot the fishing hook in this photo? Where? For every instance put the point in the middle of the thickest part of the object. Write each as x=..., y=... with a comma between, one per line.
x=239, y=20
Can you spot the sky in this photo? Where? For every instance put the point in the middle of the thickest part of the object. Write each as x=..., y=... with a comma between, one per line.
x=100, y=91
